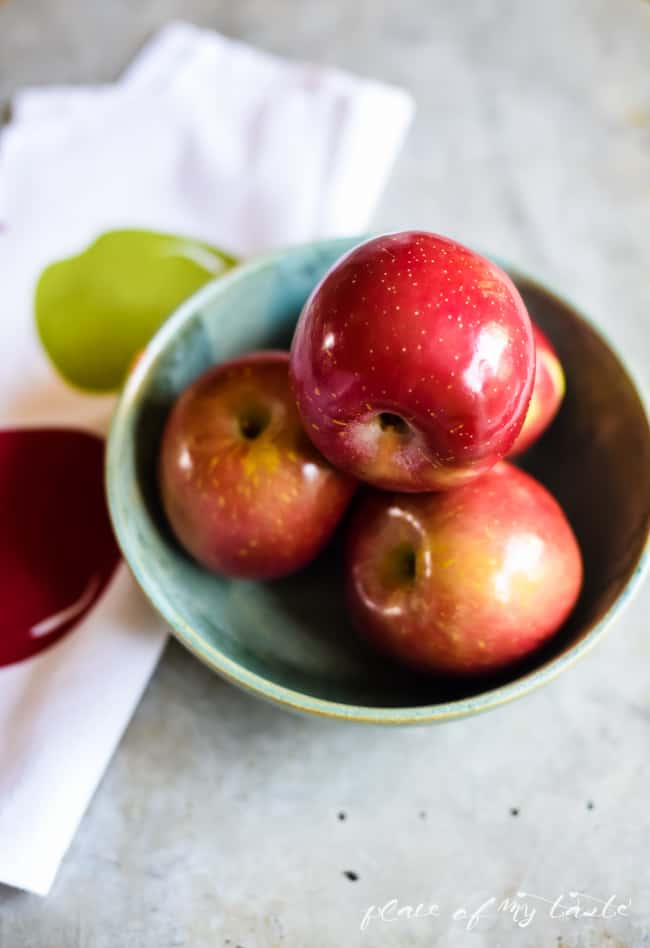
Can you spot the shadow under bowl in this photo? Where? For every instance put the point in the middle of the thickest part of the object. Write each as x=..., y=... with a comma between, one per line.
x=290, y=641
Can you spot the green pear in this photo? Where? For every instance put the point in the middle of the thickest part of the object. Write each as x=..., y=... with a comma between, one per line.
x=96, y=311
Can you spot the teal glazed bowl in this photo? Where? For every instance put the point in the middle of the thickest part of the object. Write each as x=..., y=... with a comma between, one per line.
x=289, y=641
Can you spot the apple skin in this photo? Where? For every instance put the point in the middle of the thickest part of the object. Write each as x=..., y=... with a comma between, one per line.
x=413, y=363
x=464, y=582
x=244, y=490
x=548, y=392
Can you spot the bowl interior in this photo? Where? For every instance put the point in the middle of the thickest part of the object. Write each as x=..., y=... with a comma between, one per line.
x=290, y=640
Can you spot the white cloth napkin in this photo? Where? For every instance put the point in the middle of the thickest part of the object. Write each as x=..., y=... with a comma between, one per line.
x=202, y=136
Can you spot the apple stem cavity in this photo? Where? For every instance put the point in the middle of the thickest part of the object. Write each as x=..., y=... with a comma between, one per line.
x=254, y=421
x=388, y=421
x=402, y=564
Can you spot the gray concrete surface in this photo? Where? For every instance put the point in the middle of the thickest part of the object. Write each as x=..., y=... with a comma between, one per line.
x=217, y=823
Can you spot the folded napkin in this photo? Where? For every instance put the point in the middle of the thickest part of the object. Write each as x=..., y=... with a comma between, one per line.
x=204, y=137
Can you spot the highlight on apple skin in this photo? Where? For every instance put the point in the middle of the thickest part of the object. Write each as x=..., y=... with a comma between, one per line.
x=244, y=489
x=413, y=363
x=548, y=392
x=463, y=582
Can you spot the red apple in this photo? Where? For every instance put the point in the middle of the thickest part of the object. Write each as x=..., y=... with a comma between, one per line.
x=548, y=392
x=413, y=363
x=466, y=581
x=244, y=490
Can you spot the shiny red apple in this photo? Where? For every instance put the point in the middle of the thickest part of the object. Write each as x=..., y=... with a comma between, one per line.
x=244, y=490
x=466, y=581
x=413, y=363
x=548, y=392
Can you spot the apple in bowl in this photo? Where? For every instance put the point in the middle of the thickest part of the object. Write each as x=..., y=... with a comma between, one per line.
x=463, y=582
x=243, y=488
x=413, y=363
x=548, y=392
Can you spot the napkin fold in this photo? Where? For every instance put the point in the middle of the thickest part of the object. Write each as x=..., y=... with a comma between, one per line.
x=202, y=136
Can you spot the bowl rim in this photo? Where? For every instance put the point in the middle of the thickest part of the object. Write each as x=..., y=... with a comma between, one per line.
x=258, y=685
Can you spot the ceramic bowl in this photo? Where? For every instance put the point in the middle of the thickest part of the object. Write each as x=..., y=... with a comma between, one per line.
x=289, y=641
